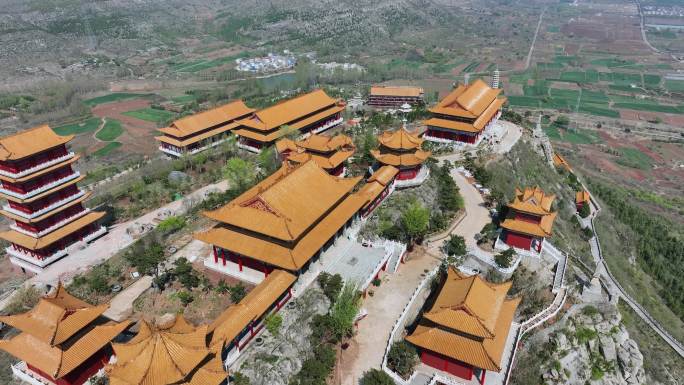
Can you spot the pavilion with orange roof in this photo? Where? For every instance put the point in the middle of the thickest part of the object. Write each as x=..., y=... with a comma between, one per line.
x=465, y=331
x=402, y=149
x=330, y=153
x=198, y=132
x=395, y=96
x=168, y=354
x=63, y=340
x=529, y=220
x=464, y=114
x=309, y=113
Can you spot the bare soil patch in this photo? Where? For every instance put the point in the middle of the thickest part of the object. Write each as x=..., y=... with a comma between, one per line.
x=139, y=135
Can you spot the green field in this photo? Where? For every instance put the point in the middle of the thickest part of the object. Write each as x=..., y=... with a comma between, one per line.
x=184, y=98
x=150, y=114
x=111, y=130
x=674, y=85
x=631, y=157
x=115, y=97
x=111, y=146
x=88, y=125
x=590, y=76
x=652, y=107
x=553, y=29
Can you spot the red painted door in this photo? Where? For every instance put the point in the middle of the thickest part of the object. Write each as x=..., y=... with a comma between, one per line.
x=518, y=240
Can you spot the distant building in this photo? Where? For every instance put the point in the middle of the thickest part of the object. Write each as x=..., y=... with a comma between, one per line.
x=395, y=96
x=330, y=153
x=465, y=330
x=310, y=113
x=402, y=149
x=43, y=198
x=529, y=220
x=198, y=132
x=582, y=198
x=559, y=161
x=464, y=114
x=63, y=340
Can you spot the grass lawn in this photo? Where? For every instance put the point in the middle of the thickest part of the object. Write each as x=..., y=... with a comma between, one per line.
x=88, y=125
x=674, y=85
x=150, y=114
x=553, y=133
x=115, y=97
x=580, y=137
x=111, y=146
x=632, y=157
x=111, y=130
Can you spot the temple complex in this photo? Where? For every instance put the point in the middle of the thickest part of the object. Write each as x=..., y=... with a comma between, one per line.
x=464, y=114
x=63, y=340
x=402, y=149
x=43, y=198
x=306, y=114
x=239, y=324
x=330, y=153
x=174, y=353
x=285, y=221
x=529, y=219
x=395, y=96
x=198, y=132
x=465, y=331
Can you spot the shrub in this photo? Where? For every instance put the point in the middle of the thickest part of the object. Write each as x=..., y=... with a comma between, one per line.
x=504, y=258
x=185, y=273
x=376, y=377
x=171, y=224
x=331, y=285
x=240, y=379
x=402, y=359
x=237, y=293
x=455, y=246
x=273, y=322
x=185, y=297
x=585, y=210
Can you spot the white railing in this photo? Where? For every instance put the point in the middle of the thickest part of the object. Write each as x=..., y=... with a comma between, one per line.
x=45, y=209
x=193, y=151
x=232, y=269
x=41, y=189
x=39, y=167
x=248, y=147
x=22, y=372
x=422, y=175
x=440, y=379
x=170, y=151
x=324, y=127
x=376, y=269
x=15, y=253
x=51, y=228
x=102, y=230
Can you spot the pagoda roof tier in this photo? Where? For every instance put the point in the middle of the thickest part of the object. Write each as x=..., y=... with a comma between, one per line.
x=469, y=321
x=29, y=142
x=582, y=196
x=398, y=160
x=541, y=229
x=467, y=101
x=451, y=125
x=532, y=200
x=285, y=144
x=44, y=193
x=196, y=138
x=384, y=175
x=40, y=172
x=400, y=91
x=287, y=111
x=291, y=258
x=325, y=162
x=33, y=243
x=58, y=209
x=193, y=124
x=56, y=317
x=324, y=143
x=227, y=326
x=287, y=203
x=59, y=361
x=160, y=355
x=400, y=139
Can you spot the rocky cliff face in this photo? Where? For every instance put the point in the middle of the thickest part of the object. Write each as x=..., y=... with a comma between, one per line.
x=593, y=347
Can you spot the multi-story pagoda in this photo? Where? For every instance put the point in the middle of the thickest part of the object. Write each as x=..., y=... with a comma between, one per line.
x=310, y=113
x=63, y=340
x=395, y=96
x=464, y=114
x=330, y=153
x=402, y=150
x=169, y=354
x=198, y=132
x=465, y=331
x=43, y=198
x=529, y=220
x=285, y=221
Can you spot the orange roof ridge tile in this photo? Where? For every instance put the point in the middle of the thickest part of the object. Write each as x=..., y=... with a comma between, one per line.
x=28, y=142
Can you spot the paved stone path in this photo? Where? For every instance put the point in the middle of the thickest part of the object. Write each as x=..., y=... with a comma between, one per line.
x=121, y=306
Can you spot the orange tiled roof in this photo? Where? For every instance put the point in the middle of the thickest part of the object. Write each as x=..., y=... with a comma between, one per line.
x=29, y=142
x=532, y=200
x=209, y=373
x=328, y=162
x=285, y=144
x=237, y=317
x=582, y=196
x=160, y=355
x=400, y=139
x=469, y=101
x=32, y=243
x=56, y=317
x=289, y=110
x=287, y=203
x=404, y=91
x=451, y=125
x=409, y=159
x=203, y=120
x=196, y=138
x=324, y=143
x=384, y=175
x=474, y=318
x=559, y=161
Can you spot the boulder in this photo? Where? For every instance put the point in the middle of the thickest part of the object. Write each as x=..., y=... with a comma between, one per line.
x=607, y=346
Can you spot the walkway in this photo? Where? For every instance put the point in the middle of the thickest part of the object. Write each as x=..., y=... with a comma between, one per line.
x=121, y=306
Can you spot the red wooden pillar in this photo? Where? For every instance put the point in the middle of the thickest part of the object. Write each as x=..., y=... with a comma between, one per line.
x=223, y=256
x=215, y=254
x=240, y=262
x=482, y=377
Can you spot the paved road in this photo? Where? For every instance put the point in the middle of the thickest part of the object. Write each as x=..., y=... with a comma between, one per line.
x=534, y=40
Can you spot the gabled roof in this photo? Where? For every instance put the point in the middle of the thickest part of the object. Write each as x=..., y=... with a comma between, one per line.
x=324, y=143
x=328, y=162
x=400, y=139
x=469, y=101
x=404, y=91
x=582, y=196
x=532, y=200
x=56, y=317
x=287, y=203
x=541, y=229
x=384, y=175
x=289, y=110
x=285, y=144
x=160, y=355
x=30, y=142
x=397, y=160
x=203, y=120
x=237, y=317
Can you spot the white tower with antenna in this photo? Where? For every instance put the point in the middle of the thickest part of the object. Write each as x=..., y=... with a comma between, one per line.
x=496, y=78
